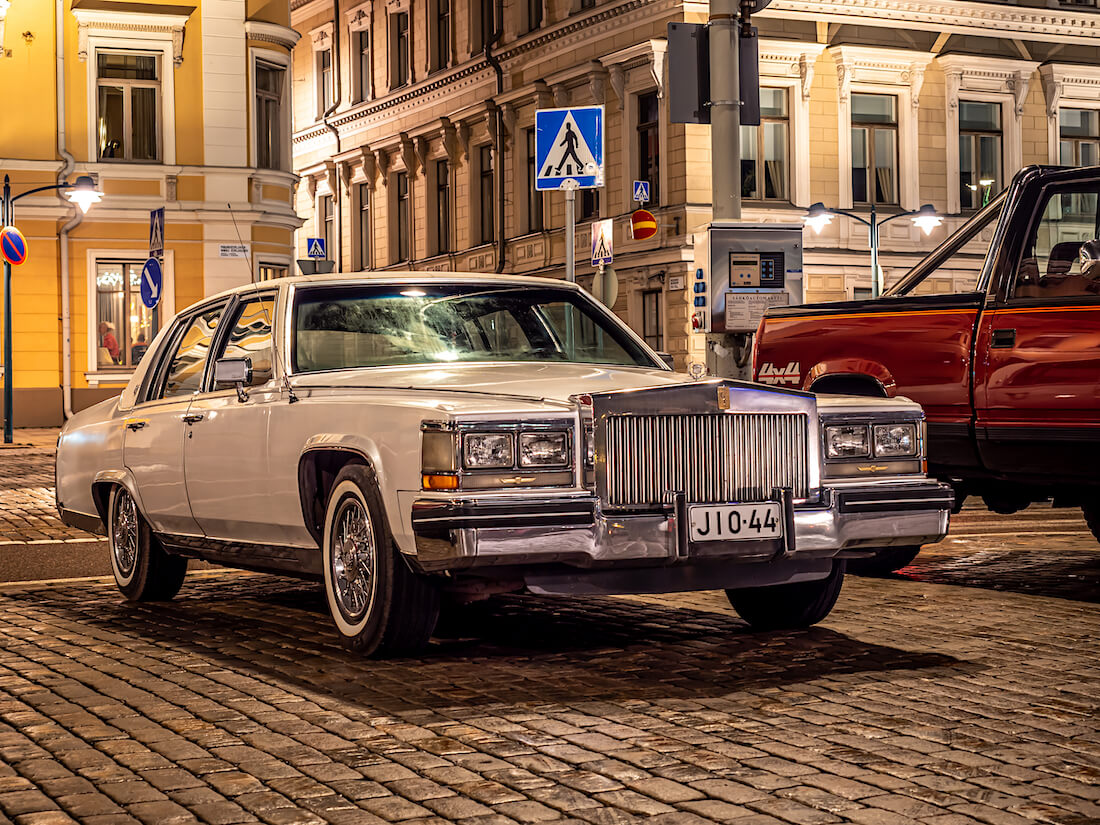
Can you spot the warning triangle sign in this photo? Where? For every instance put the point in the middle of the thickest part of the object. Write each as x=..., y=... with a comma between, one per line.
x=569, y=155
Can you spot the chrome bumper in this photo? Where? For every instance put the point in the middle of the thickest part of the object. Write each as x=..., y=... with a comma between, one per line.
x=572, y=534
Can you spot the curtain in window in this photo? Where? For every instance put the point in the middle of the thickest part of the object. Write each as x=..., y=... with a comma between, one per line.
x=143, y=113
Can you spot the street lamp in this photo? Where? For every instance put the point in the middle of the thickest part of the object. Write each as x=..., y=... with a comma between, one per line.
x=818, y=217
x=83, y=193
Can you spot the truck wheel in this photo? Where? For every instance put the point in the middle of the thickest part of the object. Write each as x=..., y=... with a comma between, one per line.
x=788, y=606
x=886, y=560
x=378, y=604
x=144, y=572
x=1092, y=517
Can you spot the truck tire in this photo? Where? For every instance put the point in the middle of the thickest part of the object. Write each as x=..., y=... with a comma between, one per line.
x=378, y=604
x=886, y=560
x=144, y=572
x=1092, y=517
x=788, y=606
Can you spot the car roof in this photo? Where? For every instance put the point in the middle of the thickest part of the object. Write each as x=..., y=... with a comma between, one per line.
x=398, y=278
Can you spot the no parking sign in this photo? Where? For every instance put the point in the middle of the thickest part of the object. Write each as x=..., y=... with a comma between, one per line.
x=13, y=246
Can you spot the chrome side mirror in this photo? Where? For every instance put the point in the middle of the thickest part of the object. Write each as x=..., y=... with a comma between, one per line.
x=233, y=372
x=670, y=362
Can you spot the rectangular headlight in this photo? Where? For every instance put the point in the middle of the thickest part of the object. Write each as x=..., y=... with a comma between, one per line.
x=895, y=440
x=481, y=451
x=847, y=441
x=543, y=450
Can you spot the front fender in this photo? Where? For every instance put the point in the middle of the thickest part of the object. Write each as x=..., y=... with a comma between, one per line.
x=845, y=367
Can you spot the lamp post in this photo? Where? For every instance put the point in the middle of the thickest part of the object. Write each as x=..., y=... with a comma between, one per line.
x=83, y=193
x=818, y=217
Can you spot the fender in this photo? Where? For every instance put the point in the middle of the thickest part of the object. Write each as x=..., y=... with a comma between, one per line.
x=844, y=367
x=119, y=477
x=357, y=444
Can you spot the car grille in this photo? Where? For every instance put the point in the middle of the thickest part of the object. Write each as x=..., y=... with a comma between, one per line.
x=709, y=457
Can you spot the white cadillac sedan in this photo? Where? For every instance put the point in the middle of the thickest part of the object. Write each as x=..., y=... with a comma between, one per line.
x=403, y=436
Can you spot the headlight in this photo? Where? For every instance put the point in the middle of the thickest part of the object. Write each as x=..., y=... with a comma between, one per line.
x=847, y=441
x=895, y=440
x=543, y=449
x=487, y=451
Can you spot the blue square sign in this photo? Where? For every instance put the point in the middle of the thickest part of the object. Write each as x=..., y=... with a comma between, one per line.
x=569, y=147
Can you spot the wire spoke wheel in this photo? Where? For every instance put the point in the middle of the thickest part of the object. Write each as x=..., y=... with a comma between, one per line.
x=353, y=559
x=124, y=537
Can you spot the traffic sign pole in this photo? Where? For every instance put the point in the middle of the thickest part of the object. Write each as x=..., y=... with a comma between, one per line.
x=570, y=232
x=725, y=114
x=6, y=218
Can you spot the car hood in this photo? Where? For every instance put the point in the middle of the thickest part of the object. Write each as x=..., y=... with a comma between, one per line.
x=542, y=380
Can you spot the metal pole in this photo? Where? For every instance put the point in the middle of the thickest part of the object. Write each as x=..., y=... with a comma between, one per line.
x=7, y=218
x=570, y=233
x=876, y=288
x=725, y=111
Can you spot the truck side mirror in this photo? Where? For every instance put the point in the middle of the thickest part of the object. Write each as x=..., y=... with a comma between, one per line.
x=233, y=372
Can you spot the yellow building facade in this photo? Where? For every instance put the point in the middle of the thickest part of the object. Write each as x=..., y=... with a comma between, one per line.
x=413, y=131
x=180, y=106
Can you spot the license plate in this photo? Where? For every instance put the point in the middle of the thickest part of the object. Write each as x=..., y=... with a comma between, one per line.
x=735, y=522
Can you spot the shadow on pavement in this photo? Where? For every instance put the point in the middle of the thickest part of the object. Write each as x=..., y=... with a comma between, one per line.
x=512, y=650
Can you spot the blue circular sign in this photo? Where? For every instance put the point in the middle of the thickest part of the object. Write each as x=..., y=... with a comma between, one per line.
x=152, y=279
x=13, y=246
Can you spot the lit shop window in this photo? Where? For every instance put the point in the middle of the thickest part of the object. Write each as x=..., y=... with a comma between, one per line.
x=124, y=325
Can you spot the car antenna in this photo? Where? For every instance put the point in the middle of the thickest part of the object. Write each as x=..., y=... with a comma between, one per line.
x=291, y=397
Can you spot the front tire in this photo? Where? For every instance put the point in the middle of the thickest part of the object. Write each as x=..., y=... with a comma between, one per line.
x=144, y=572
x=788, y=606
x=377, y=603
x=886, y=560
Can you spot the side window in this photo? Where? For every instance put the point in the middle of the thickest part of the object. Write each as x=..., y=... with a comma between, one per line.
x=1060, y=255
x=188, y=363
x=250, y=337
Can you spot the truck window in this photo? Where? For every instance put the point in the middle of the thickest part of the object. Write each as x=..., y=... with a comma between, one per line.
x=1051, y=264
x=962, y=254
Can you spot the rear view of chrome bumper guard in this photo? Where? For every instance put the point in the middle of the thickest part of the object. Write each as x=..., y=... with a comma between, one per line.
x=472, y=533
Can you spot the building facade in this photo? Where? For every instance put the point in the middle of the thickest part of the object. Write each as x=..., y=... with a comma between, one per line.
x=413, y=131
x=181, y=106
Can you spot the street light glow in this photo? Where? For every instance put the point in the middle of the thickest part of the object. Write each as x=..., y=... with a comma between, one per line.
x=927, y=219
x=818, y=217
x=83, y=193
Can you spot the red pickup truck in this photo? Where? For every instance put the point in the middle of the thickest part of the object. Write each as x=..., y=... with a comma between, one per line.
x=1008, y=374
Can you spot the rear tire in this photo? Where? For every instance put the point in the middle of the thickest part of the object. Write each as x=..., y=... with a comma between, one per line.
x=886, y=560
x=788, y=606
x=144, y=572
x=378, y=604
x=1092, y=517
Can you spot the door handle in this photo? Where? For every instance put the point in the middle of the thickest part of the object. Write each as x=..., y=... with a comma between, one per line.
x=191, y=418
x=1003, y=338
x=136, y=424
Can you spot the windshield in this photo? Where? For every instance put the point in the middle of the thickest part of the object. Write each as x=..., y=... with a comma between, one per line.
x=337, y=327
x=958, y=259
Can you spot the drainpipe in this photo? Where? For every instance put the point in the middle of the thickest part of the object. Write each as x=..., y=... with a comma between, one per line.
x=337, y=86
x=74, y=221
x=498, y=143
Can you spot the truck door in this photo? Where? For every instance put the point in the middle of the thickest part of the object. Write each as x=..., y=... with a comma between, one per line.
x=1037, y=371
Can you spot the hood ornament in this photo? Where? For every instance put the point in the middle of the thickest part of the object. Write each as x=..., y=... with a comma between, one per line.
x=697, y=370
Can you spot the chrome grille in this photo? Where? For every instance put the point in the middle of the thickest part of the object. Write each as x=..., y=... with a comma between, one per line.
x=709, y=457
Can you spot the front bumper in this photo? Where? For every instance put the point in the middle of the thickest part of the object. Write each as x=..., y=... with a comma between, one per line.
x=568, y=544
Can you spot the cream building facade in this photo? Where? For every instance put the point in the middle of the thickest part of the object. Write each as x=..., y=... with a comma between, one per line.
x=184, y=106
x=413, y=131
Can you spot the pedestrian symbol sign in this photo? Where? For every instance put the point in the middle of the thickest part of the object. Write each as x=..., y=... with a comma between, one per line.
x=603, y=242
x=641, y=191
x=569, y=147
x=156, y=233
x=315, y=248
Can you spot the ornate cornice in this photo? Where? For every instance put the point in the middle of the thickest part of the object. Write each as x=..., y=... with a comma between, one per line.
x=271, y=33
x=116, y=20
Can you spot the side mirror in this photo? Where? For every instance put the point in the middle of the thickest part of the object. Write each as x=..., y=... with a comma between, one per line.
x=668, y=359
x=233, y=372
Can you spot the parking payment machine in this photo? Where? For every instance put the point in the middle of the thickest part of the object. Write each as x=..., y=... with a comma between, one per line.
x=741, y=269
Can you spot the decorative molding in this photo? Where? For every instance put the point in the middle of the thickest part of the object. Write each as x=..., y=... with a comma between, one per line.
x=118, y=21
x=1069, y=82
x=651, y=52
x=450, y=142
x=463, y=133
x=271, y=33
x=358, y=18
x=382, y=164
x=986, y=75
x=543, y=96
x=881, y=66
x=320, y=38
x=408, y=154
x=597, y=82
x=790, y=58
x=617, y=76
x=508, y=118
x=395, y=6
x=561, y=95
x=421, y=147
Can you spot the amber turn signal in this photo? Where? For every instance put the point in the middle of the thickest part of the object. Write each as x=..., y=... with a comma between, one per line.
x=440, y=482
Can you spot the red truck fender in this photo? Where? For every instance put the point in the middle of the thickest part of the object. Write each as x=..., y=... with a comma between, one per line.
x=847, y=375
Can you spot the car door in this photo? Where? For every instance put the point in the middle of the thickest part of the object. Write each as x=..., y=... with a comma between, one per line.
x=1037, y=378
x=226, y=460
x=155, y=430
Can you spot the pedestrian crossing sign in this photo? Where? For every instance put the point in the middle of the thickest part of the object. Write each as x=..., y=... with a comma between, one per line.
x=603, y=242
x=569, y=147
x=315, y=248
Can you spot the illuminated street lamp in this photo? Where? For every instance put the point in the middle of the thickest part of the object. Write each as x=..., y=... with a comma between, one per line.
x=83, y=193
x=818, y=217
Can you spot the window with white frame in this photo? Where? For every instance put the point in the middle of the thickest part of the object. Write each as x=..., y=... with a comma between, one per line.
x=325, y=222
x=124, y=326
x=364, y=228
x=1078, y=137
x=981, y=142
x=534, y=14
x=874, y=148
x=649, y=144
x=441, y=42
x=400, y=49
x=485, y=194
x=402, y=247
x=534, y=196
x=268, y=271
x=270, y=82
x=325, y=94
x=653, y=328
x=442, y=176
x=765, y=150
x=361, y=57
x=128, y=119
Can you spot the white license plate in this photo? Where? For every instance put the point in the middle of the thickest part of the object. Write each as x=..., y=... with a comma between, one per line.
x=735, y=522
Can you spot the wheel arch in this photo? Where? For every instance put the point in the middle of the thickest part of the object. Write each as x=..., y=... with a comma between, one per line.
x=854, y=376
x=101, y=490
x=320, y=461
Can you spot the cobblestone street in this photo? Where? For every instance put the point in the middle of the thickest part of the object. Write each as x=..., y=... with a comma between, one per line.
x=963, y=690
